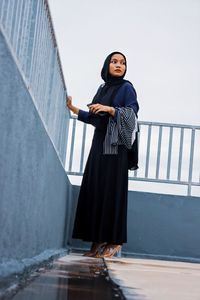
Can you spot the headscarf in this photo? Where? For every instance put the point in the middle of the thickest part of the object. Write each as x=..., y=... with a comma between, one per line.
x=106, y=76
x=107, y=91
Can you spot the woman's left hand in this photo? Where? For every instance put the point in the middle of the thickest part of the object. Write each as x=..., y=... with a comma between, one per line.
x=96, y=108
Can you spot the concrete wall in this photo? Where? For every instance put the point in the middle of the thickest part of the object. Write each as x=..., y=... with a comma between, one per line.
x=34, y=188
x=159, y=225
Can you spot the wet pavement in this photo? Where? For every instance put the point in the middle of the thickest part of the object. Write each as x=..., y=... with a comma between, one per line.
x=72, y=277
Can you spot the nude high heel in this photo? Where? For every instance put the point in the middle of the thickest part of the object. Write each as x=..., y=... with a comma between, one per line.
x=96, y=249
x=109, y=251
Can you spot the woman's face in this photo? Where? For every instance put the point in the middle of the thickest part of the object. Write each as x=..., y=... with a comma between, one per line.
x=117, y=65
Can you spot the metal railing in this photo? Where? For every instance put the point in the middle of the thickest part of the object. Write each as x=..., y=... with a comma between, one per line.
x=168, y=153
x=28, y=30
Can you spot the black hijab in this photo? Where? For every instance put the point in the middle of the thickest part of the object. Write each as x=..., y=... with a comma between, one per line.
x=107, y=92
x=106, y=76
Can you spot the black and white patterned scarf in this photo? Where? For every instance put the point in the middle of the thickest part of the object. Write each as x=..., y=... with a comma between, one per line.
x=120, y=132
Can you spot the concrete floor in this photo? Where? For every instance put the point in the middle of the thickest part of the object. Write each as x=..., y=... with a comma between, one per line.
x=142, y=279
x=77, y=277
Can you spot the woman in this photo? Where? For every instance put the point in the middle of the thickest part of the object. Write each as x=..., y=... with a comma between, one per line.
x=101, y=216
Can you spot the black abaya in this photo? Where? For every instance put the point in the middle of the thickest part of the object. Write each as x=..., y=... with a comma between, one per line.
x=101, y=214
x=102, y=206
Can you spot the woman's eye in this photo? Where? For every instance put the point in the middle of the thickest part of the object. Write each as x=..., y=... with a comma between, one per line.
x=113, y=61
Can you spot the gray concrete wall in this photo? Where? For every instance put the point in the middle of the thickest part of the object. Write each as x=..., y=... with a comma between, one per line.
x=159, y=225
x=34, y=188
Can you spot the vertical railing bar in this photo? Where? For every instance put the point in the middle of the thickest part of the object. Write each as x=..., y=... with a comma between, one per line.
x=27, y=36
x=31, y=76
x=35, y=49
x=19, y=43
x=28, y=29
x=38, y=56
x=40, y=59
x=139, y=128
x=18, y=27
x=158, y=152
x=1, y=10
x=8, y=19
x=15, y=25
x=148, y=151
x=83, y=146
x=21, y=48
x=180, y=154
x=43, y=52
x=14, y=17
x=5, y=12
x=169, y=153
x=22, y=53
x=191, y=161
x=72, y=145
x=47, y=63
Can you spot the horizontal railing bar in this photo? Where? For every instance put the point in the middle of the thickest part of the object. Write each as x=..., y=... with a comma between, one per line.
x=146, y=179
x=169, y=125
x=157, y=124
x=164, y=181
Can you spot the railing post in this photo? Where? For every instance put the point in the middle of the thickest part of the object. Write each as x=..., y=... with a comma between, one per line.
x=72, y=145
x=191, y=161
x=148, y=151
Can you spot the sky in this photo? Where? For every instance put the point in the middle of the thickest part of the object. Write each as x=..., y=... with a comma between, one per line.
x=160, y=38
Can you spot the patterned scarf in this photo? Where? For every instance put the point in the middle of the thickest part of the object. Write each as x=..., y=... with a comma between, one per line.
x=120, y=132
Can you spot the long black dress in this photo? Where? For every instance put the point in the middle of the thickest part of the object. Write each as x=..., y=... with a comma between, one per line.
x=101, y=214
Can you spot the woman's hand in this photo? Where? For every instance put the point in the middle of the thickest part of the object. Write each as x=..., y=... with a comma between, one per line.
x=96, y=108
x=69, y=102
x=71, y=107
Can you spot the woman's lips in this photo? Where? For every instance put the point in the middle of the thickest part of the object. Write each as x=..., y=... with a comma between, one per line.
x=118, y=70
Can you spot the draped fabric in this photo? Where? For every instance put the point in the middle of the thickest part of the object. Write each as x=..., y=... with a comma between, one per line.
x=120, y=132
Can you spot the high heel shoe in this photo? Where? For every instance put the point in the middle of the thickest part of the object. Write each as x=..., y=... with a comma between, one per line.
x=109, y=251
x=96, y=249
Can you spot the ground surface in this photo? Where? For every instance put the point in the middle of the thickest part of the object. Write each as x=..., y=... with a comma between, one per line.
x=77, y=277
x=142, y=279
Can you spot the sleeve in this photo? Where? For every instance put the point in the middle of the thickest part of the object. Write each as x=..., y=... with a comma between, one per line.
x=89, y=118
x=84, y=116
x=130, y=98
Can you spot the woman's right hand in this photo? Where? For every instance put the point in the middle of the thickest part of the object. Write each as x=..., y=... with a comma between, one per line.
x=69, y=102
x=71, y=107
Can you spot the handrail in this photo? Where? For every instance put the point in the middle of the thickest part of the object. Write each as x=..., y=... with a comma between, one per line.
x=28, y=30
x=169, y=153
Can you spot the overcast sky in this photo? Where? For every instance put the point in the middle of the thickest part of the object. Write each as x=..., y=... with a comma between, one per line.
x=161, y=39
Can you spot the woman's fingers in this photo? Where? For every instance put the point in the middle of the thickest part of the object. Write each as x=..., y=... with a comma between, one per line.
x=69, y=101
x=95, y=108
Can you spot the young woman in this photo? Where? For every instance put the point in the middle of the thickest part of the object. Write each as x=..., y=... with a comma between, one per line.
x=101, y=216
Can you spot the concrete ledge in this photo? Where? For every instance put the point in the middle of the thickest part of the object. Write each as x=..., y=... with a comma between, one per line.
x=160, y=226
x=35, y=190
x=13, y=272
